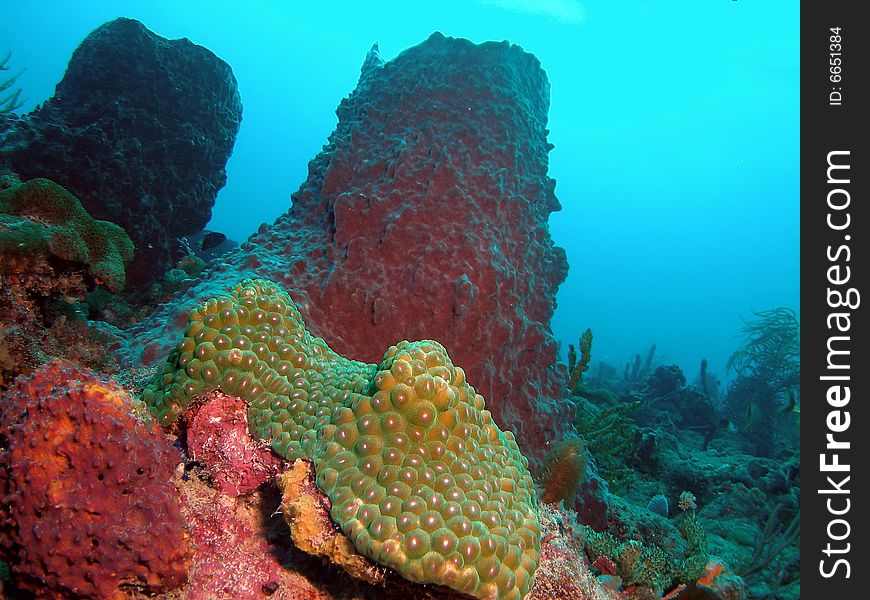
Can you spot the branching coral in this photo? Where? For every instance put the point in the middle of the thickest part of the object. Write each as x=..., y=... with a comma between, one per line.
x=576, y=367
x=9, y=100
x=771, y=351
x=637, y=371
x=419, y=476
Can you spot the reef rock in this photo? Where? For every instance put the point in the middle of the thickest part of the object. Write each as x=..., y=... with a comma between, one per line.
x=425, y=216
x=139, y=129
x=218, y=436
x=241, y=554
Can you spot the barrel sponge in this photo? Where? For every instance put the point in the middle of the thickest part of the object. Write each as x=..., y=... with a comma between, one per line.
x=419, y=476
x=40, y=215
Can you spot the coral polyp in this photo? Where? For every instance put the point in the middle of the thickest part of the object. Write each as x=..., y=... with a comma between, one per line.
x=419, y=476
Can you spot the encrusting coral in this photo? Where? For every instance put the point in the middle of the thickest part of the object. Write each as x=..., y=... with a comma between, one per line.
x=39, y=216
x=419, y=476
x=306, y=512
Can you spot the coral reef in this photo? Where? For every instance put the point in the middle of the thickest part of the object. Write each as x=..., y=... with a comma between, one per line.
x=139, y=129
x=425, y=217
x=41, y=217
x=431, y=198
x=648, y=556
x=648, y=565
x=308, y=475
x=51, y=252
x=78, y=454
x=650, y=435
x=419, y=476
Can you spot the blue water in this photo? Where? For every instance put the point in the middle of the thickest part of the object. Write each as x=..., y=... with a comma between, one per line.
x=675, y=126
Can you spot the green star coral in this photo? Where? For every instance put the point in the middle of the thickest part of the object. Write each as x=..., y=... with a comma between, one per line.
x=41, y=216
x=419, y=476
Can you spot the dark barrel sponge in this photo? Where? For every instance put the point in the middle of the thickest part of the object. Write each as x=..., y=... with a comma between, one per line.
x=139, y=129
x=86, y=504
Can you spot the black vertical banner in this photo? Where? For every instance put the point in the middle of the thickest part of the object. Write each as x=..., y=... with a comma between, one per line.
x=835, y=225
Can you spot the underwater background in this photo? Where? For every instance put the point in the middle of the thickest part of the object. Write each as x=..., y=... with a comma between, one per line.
x=675, y=127
x=218, y=222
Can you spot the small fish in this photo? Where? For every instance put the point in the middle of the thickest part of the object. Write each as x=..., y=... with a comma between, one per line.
x=210, y=240
x=201, y=242
x=204, y=244
x=753, y=415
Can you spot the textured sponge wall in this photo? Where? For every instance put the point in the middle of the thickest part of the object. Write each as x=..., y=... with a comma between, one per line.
x=419, y=476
